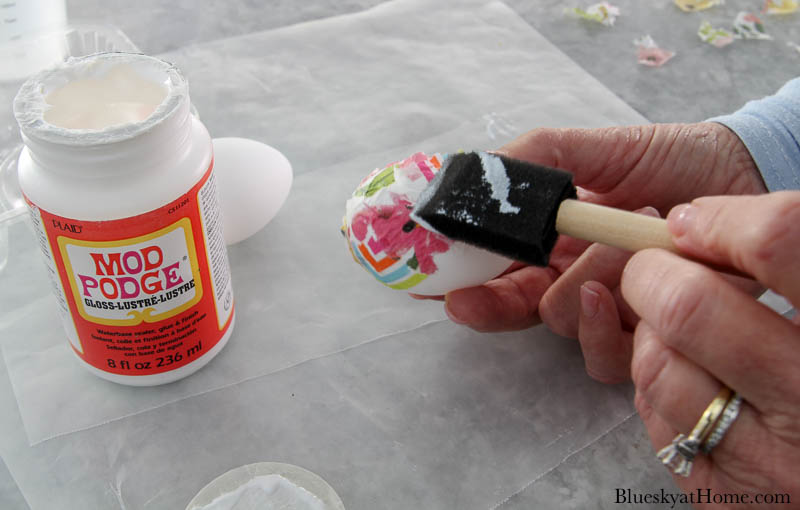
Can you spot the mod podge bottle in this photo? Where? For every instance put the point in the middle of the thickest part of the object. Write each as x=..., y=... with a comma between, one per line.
x=118, y=176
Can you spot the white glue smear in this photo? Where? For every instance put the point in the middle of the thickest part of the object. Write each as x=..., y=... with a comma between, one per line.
x=266, y=492
x=494, y=173
x=120, y=96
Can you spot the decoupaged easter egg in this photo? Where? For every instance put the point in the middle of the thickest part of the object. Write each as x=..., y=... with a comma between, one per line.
x=400, y=253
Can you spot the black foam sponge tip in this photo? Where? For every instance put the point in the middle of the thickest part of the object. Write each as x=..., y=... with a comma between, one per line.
x=497, y=203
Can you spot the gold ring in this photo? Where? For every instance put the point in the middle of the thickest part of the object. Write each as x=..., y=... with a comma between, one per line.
x=679, y=454
x=705, y=424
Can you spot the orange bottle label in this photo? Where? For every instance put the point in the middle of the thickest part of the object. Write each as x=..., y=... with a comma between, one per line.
x=145, y=294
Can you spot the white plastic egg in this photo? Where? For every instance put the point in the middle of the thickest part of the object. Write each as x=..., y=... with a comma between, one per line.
x=400, y=253
x=254, y=180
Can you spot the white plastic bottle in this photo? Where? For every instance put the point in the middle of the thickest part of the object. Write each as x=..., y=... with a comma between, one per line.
x=118, y=176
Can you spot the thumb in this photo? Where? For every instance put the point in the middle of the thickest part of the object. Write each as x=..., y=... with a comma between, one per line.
x=759, y=234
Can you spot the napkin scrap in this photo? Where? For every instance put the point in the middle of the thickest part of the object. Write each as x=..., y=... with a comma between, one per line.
x=697, y=5
x=718, y=37
x=780, y=6
x=649, y=54
x=749, y=26
x=603, y=12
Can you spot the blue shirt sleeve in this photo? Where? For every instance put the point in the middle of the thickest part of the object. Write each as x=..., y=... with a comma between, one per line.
x=770, y=129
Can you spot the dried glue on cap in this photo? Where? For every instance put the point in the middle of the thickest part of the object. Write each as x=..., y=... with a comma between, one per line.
x=119, y=179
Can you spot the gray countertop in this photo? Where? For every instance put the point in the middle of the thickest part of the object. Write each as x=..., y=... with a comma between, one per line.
x=701, y=81
x=393, y=405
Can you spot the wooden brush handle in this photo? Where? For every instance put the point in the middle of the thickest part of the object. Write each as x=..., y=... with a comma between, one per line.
x=621, y=229
x=614, y=227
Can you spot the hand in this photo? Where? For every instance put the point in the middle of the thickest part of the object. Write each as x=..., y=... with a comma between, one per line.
x=699, y=332
x=577, y=295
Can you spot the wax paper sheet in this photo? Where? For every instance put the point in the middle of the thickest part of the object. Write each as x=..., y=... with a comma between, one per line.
x=10, y=496
x=351, y=87
x=477, y=423
x=379, y=394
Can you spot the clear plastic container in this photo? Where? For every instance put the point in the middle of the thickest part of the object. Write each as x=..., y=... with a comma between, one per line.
x=38, y=50
x=282, y=485
x=34, y=50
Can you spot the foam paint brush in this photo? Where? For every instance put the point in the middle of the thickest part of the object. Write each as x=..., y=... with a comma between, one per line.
x=517, y=209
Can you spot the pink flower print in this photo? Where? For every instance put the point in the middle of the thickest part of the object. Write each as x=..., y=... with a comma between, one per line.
x=360, y=223
x=653, y=57
x=419, y=165
x=390, y=224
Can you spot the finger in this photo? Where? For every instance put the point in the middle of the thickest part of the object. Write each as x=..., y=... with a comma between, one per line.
x=627, y=316
x=672, y=393
x=677, y=389
x=515, y=266
x=759, y=235
x=661, y=434
x=606, y=347
x=696, y=312
x=560, y=307
x=507, y=303
x=566, y=251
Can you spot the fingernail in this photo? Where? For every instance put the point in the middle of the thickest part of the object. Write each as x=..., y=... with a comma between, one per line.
x=590, y=301
x=448, y=309
x=605, y=378
x=649, y=211
x=680, y=218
